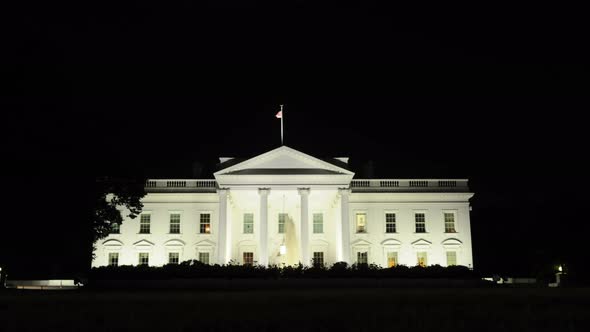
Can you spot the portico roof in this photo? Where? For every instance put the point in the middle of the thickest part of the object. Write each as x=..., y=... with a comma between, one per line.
x=284, y=164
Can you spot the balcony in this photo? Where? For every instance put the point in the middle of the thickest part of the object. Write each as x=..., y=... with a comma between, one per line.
x=181, y=186
x=409, y=185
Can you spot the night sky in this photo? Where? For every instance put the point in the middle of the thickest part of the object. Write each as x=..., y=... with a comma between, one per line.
x=492, y=95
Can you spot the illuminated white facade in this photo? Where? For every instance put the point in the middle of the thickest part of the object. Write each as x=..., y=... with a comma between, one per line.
x=284, y=207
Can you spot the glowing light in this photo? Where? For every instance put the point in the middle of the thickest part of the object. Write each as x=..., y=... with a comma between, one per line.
x=283, y=249
x=559, y=268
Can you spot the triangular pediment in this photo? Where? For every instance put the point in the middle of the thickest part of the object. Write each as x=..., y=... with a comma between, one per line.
x=205, y=243
x=360, y=243
x=143, y=243
x=421, y=244
x=284, y=161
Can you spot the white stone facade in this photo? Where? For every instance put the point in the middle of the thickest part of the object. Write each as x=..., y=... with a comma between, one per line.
x=311, y=208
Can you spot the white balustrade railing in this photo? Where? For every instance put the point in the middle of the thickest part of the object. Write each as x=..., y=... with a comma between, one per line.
x=173, y=184
x=409, y=184
x=357, y=185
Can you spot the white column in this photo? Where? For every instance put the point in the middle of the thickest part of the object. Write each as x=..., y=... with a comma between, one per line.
x=304, y=193
x=263, y=252
x=223, y=243
x=344, y=225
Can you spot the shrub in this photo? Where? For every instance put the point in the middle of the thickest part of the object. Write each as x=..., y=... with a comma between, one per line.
x=194, y=269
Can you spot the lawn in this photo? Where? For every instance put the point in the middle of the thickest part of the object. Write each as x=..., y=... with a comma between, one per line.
x=432, y=309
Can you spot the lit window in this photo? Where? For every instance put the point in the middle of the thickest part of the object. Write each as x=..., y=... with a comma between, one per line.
x=361, y=222
x=282, y=220
x=420, y=223
x=205, y=223
x=248, y=223
x=204, y=257
x=422, y=259
x=175, y=223
x=318, y=223
x=144, y=224
x=391, y=259
x=318, y=258
x=113, y=259
x=144, y=258
x=451, y=258
x=248, y=258
x=173, y=258
x=450, y=223
x=390, y=223
x=362, y=257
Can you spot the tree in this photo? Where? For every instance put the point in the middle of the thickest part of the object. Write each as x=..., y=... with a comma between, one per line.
x=114, y=196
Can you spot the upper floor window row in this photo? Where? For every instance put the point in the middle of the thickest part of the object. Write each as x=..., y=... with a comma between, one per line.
x=145, y=221
x=361, y=222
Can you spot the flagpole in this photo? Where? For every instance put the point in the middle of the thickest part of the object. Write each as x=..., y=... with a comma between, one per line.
x=282, y=116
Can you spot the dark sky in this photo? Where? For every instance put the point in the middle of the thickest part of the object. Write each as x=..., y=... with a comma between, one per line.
x=497, y=95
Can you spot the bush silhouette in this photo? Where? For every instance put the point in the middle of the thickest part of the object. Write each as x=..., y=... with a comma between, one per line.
x=195, y=269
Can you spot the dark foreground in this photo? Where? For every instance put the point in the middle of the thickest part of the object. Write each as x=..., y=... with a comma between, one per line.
x=494, y=309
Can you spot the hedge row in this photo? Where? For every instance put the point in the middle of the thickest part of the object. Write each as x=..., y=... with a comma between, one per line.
x=196, y=269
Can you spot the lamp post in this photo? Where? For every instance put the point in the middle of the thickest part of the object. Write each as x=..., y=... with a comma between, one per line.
x=559, y=275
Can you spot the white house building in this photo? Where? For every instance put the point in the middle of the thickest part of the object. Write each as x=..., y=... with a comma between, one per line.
x=284, y=207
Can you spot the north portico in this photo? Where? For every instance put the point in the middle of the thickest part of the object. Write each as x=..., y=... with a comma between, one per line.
x=285, y=207
x=291, y=186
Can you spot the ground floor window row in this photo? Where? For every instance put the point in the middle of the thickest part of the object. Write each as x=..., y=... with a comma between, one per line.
x=143, y=258
x=362, y=257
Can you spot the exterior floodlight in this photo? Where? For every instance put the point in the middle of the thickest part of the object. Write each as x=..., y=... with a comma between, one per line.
x=559, y=268
x=283, y=249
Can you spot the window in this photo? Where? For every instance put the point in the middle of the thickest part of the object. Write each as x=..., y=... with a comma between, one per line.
x=173, y=258
x=451, y=258
x=362, y=257
x=422, y=259
x=115, y=228
x=248, y=223
x=144, y=258
x=282, y=220
x=318, y=258
x=205, y=223
x=391, y=259
x=318, y=223
x=175, y=223
x=144, y=223
x=420, y=222
x=204, y=257
x=361, y=222
x=449, y=222
x=113, y=259
x=390, y=223
x=248, y=258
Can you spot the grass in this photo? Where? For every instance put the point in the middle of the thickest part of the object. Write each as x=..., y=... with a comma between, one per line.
x=480, y=309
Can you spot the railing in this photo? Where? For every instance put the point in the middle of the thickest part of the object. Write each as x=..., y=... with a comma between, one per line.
x=394, y=185
x=383, y=185
x=168, y=185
